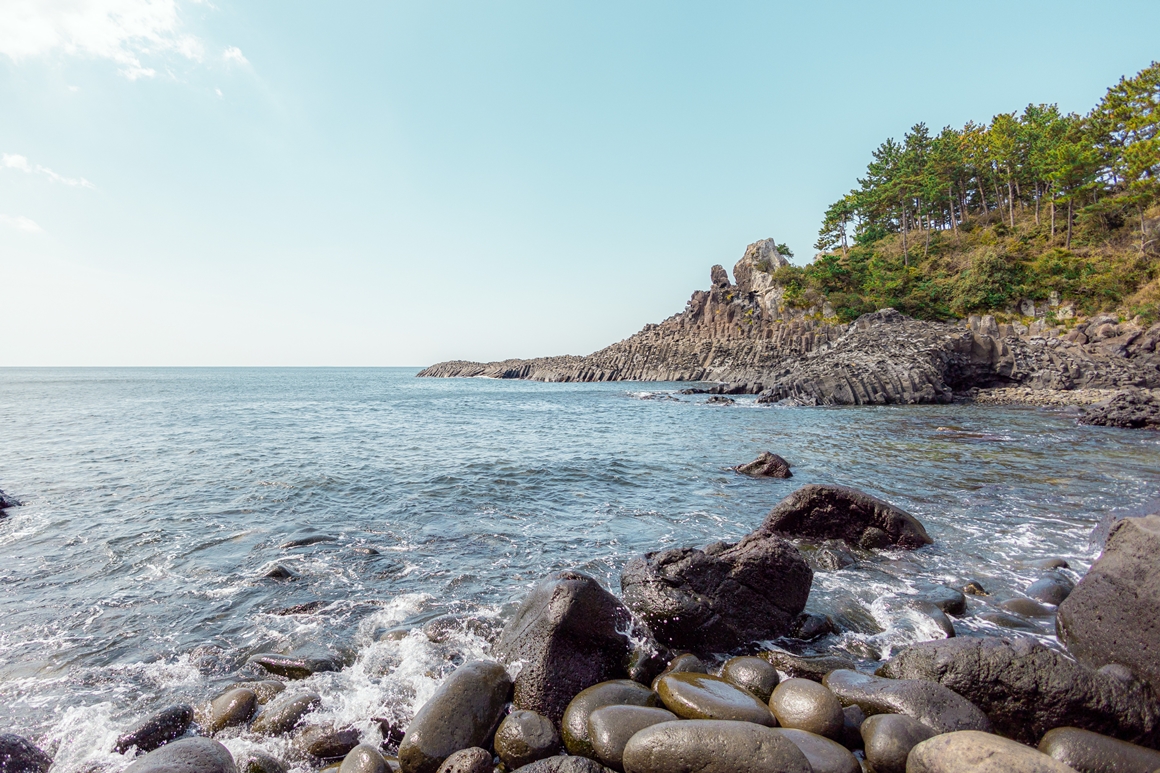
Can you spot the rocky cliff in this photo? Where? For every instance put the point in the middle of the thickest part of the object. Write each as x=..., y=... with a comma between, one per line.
x=744, y=334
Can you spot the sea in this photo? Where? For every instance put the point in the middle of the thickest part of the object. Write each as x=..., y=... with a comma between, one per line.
x=413, y=515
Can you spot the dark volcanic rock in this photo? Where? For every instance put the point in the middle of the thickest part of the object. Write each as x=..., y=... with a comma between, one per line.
x=1026, y=689
x=19, y=755
x=712, y=746
x=837, y=512
x=937, y=707
x=7, y=501
x=1090, y=752
x=970, y=751
x=569, y=634
x=720, y=598
x=812, y=667
x=186, y=755
x=805, y=705
x=618, y=692
x=462, y=713
x=701, y=696
x=524, y=737
x=767, y=465
x=1129, y=409
x=161, y=728
x=610, y=727
x=260, y=762
x=1113, y=615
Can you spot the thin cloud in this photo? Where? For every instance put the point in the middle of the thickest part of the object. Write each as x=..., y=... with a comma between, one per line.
x=21, y=164
x=234, y=54
x=21, y=223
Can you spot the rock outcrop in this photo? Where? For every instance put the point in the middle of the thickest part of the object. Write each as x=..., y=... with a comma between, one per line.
x=1129, y=409
x=838, y=512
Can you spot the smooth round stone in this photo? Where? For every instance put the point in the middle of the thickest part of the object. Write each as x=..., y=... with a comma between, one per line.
x=266, y=689
x=610, y=727
x=973, y=751
x=712, y=746
x=259, y=762
x=19, y=755
x=164, y=726
x=686, y=663
x=231, y=708
x=524, y=737
x=364, y=758
x=1051, y=588
x=802, y=704
x=326, y=742
x=888, y=739
x=1090, y=752
x=473, y=760
x=701, y=696
x=282, y=715
x=570, y=764
x=186, y=755
x=824, y=755
x=618, y=692
x=293, y=667
x=949, y=600
x=1025, y=607
x=752, y=674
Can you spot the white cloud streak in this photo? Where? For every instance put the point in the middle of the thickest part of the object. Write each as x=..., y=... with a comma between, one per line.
x=21, y=164
x=21, y=223
x=234, y=54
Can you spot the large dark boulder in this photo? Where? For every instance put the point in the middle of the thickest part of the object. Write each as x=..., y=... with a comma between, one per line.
x=463, y=713
x=838, y=512
x=1113, y=615
x=716, y=599
x=1129, y=409
x=19, y=755
x=1026, y=689
x=569, y=635
x=940, y=709
x=186, y=755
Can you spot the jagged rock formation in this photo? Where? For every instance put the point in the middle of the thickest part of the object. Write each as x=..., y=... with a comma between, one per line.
x=745, y=334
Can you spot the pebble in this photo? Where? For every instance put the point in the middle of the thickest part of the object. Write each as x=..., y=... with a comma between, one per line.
x=824, y=755
x=524, y=737
x=888, y=739
x=19, y=755
x=164, y=726
x=282, y=715
x=610, y=728
x=365, y=758
x=701, y=696
x=231, y=708
x=1090, y=752
x=618, y=692
x=1005, y=620
x=185, y=755
x=752, y=674
x=971, y=751
x=803, y=704
x=712, y=746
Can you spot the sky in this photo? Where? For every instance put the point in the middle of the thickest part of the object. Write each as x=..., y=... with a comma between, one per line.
x=376, y=183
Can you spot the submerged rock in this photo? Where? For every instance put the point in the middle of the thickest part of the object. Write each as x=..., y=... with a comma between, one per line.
x=971, y=751
x=292, y=667
x=326, y=742
x=618, y=692
x=19, y=755
x=805, y=705
x=159, y=729
x=7, y=501
x=937, y=707
x=838, y=512
x=767, y=465
x=260, y=762
x=701, y=696
x=186, y=755
x=712, y=746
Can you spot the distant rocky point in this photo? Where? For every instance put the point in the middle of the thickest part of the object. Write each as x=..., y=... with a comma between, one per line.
x=744, y=334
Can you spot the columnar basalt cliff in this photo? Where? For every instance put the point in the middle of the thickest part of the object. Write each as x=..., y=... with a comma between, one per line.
x=743, y=333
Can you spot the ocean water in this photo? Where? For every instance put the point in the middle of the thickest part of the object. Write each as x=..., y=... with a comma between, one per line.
x=157, y=500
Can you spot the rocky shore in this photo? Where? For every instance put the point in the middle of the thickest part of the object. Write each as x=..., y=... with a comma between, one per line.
x=695, y=668
x=745, y=335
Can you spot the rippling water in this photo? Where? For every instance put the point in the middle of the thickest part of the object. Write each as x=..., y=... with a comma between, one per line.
x=156, y=500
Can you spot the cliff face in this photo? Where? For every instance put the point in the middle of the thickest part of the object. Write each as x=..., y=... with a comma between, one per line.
x=742, y=333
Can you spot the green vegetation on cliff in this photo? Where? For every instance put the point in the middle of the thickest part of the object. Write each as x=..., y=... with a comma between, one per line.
x=1036, y=206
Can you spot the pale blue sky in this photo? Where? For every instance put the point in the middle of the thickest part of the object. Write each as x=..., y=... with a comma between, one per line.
x=380, y=183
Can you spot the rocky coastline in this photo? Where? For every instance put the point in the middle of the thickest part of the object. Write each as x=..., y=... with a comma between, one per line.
x=697, y=665
x=746, y=336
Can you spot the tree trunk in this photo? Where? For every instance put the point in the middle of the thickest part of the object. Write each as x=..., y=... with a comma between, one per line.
x=951, y=203
x=1068, y=245
x=1037, y=204
x=982, y=196
x=1011, y=202
x=905, y=254
x=1053, y=216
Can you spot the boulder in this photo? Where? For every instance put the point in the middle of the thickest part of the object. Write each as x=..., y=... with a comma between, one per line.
x=19, y=755
x=812, y=667
x=1052, y=588
x=720, y=598
x=233, y=707
x=824, y=755
x=1113, y=615
x=326, y=742
x=940, y=709
x=949, y=600
x=801, y=704
x=701, y=696
x=292, y=667
x=186, y=755
x=712, y=746
x=524, y=737
x=472, y=760
x=568, y=633
x=563, y=765
x=767, y=465
x=1127, y=409
x=971, y=751
x=838, y=512
x=1090, y=752
x=752, y=674
x=463, y=713
x=610, y=727
x=1026, y=689
x=888, y=739
x=365, y=758
x=618, y=692
x=159, y=729
x=283, y=714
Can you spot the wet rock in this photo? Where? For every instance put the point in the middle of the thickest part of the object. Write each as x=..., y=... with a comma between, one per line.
x=1026, y=689
x=975, y=588
x=471, y=760
x=266, y=689
x=1089, y=752
x=809, y=626
x=831, y=556
x=442, y=628
x=524, y=737
x=326, y=742
x=971, y=751
x=19, y=755
x=462, y=713
x=7, y=501
x=1113, y=615
x=159, y=729
x=367, y=759
x=259, y=762
x=231, y=708
x=853, y=717
x=304, y=541
x=720, y=598
x=949, y=600
x=1128, y=409
x=1025, y=607
x=1004, y=620
x=1051, y=588
x=685, y=663
x=720, y=400
x=701, y=696
x=752, y=674
x=802, y=704
x=279, y=572
x=186, y=755
x=563, y=765
x=610, y=727
x=283, y=714
x=888, y=739
x=648, y=660
x=569, y=634
x=767, y=465
x=712, y=746
x=308, y=608
x=838, y=512
x=293, y=667
x=618, y=692
x=937, y=707
x=1050, y=563
x=812, y=667
x=824, y=755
